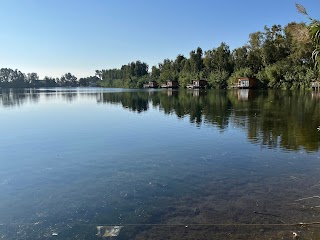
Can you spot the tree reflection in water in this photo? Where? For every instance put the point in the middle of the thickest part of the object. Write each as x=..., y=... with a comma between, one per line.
x=285, y=119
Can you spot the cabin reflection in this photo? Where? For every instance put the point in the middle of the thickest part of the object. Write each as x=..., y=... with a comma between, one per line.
x=197, y=92
x=171, y=93
x=315, y=94
x=245, y=94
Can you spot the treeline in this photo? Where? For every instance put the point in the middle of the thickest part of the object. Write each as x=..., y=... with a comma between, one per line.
x=132, y=75
x=10, y=78
x=278, y=57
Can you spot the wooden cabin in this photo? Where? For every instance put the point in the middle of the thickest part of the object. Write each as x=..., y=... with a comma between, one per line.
x=245, y=82
x=151, y=84
x=170, y=84
x=200, y=83
x=315, y=85
x=197, y=84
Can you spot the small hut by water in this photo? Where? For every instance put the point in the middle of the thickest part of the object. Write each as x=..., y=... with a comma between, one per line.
x=151, y=84
x=246, y=82
x=170, y=84
x=315, y=85
x=198, y=84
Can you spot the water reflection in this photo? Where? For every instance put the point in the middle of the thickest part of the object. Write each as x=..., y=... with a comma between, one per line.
x=18, y=97
x=284, y=119
x=134, y=101
x=67, y=175
x=274, y=119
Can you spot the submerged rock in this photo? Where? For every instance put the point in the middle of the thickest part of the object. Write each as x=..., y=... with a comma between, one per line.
x=108, y=231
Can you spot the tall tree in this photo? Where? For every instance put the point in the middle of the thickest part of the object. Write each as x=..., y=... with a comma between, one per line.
x=314, y=29
x=196, y=62
x=32, y=79
x=240, y=57
x=68, y=80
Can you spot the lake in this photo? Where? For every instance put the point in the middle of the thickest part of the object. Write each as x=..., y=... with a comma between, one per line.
x=161, y=164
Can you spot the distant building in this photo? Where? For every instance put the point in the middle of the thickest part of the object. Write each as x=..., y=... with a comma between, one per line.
x=151, y=84
x=170, y=84
x=200, y=84
x=315, y=85
x=245, y=82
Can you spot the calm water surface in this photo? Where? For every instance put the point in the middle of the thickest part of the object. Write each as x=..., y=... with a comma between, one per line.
x=186, y=161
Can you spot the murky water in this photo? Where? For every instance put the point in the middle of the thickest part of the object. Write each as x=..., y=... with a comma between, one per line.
x=162, y=164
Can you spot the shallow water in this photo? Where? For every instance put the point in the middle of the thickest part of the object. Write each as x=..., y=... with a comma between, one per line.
x=163, y=164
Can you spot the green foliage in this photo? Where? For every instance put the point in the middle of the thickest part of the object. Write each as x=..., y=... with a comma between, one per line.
x=218, y=59
x=185, y=78
x=274, y=46
x=314, y=30
x=167, y=71
x=196, y=61
x=299, y=43
x=284, y=75
x=273, y=75
x=49, y=82
x=155, y=73
x=299, y=77
x=218, y=79
x=10, y=78
x=315, y=36
x=240, y=58
x=129, y=76
x=68, y=80
x=89, y=81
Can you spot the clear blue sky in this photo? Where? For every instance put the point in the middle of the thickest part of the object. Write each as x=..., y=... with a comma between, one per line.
x=52, y=37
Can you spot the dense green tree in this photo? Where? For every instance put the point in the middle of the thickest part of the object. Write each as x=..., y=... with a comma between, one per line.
x=218, y=79
x=89, y=81
x=155, y=73
x=254, y=59
x=128, y=76
x=50, y=82
x=68, y=80
x=240, y=58
x=179, y=63
x=221, y=60
x=314, y=31
x=167, y=71
x=32, y=79
x=19, y=79
x=196, y=61
x=299, y=43
x=274, y=45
